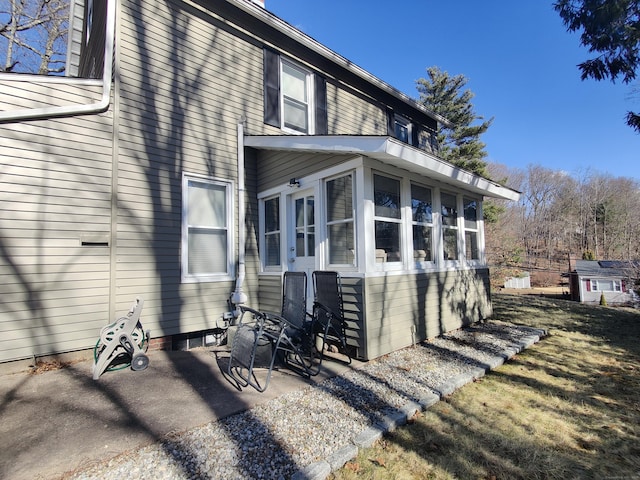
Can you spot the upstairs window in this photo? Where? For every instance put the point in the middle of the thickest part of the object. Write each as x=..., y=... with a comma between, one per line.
x=403, y=129
x=206, y=229
x=388, y=219
x=64, y=38
x=295, y=99
x=296, y=84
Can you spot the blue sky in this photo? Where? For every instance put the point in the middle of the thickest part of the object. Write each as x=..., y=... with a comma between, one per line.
x=520, y=62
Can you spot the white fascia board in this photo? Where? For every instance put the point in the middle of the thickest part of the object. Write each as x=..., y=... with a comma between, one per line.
x=388, y=150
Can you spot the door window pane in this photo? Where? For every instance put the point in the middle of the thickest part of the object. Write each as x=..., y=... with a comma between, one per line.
x=305, y=228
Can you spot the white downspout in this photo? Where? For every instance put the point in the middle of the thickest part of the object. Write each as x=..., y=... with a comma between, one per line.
x=69, y=110
x=238, y=297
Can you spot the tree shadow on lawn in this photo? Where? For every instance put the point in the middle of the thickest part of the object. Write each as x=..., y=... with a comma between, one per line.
x=618, y=326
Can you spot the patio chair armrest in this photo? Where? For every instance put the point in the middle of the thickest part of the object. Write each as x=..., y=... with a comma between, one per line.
x=258, y=317
x=280, y=320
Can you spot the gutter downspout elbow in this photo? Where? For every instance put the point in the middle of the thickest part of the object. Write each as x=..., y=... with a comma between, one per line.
x=71, y=110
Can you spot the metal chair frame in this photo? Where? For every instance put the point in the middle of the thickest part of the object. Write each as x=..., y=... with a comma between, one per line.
x=328, y=309
x=290, y=335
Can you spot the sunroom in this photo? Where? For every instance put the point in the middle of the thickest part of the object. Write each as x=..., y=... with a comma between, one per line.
x=403, y=228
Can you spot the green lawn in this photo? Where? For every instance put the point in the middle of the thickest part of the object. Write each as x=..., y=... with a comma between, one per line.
x=568, y=407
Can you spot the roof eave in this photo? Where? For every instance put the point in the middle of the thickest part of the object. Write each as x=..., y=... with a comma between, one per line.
x=388, y=150
x=275, y=22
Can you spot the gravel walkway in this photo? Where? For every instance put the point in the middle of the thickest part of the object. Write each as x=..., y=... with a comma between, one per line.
x=308, y=433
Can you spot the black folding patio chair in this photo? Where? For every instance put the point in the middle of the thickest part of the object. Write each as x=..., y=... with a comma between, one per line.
x=328, y=311
x=266, y=337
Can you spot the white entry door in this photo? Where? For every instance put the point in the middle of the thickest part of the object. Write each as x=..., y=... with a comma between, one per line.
x=302, y=236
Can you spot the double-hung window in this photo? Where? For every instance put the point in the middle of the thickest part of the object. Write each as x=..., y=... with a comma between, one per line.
x=296, y=97
x=271, y=256
x=207, y=221
x=340, y=220
x=403, y=129
x=449, y=215
x=422, y=223
x=388, y=218
x=472, y=250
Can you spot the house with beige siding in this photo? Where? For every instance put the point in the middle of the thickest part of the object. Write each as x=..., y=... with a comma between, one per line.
x=191, y=152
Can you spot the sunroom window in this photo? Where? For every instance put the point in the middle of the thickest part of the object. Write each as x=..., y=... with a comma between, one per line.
x=472, y=251
x=340, y=221
x=422, y=223
x=449, y=215
x=272, y=237
x=388, y=219
x=206, y=229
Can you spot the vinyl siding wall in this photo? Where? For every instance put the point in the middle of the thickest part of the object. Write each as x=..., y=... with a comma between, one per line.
x=350, y=114
x=403, y=309
x=18, y=95
x=55, y=194
x=179, y=109
x=276, y=168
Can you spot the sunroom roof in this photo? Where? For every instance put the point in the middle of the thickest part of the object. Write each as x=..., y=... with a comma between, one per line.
x=388, y=150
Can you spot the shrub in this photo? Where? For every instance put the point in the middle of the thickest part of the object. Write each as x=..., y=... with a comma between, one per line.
x=603, y=301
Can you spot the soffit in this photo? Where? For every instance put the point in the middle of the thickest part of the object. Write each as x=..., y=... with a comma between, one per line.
x=390, y=151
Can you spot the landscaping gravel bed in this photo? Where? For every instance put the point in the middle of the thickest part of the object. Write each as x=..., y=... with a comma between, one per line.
x=310, y=432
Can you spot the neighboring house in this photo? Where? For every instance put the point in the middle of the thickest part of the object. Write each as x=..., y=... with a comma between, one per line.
x=217, y=148
x=591, y=279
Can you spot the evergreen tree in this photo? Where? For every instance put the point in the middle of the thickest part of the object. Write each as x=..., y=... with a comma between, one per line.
x=460, y=142
x=611, y=30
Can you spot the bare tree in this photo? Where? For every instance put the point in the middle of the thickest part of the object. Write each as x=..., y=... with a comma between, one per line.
x=35, y=36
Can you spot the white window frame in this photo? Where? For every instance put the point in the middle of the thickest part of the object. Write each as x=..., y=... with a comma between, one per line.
x=421, y=263
x=382, y=261
x=229, y=228
x=455, y=228
x=615, y=284
x=310, y=105
x=264, y=234
x=475, y=230
x=351, y=220
x=405, y=123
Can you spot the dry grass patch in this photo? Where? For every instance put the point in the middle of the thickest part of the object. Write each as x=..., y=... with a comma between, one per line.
x=569, y=407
